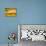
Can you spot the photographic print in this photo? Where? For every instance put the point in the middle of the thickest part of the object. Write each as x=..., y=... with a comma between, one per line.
x=10, y=11
x=29, y=34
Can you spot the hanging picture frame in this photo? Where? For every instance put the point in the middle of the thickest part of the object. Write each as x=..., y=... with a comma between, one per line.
x=10, y=11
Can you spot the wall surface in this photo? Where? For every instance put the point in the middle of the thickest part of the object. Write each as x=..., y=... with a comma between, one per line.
x=28, y=12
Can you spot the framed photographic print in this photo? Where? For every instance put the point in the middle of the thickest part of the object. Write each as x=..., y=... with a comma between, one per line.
x=10, y=11
x=33, y=32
